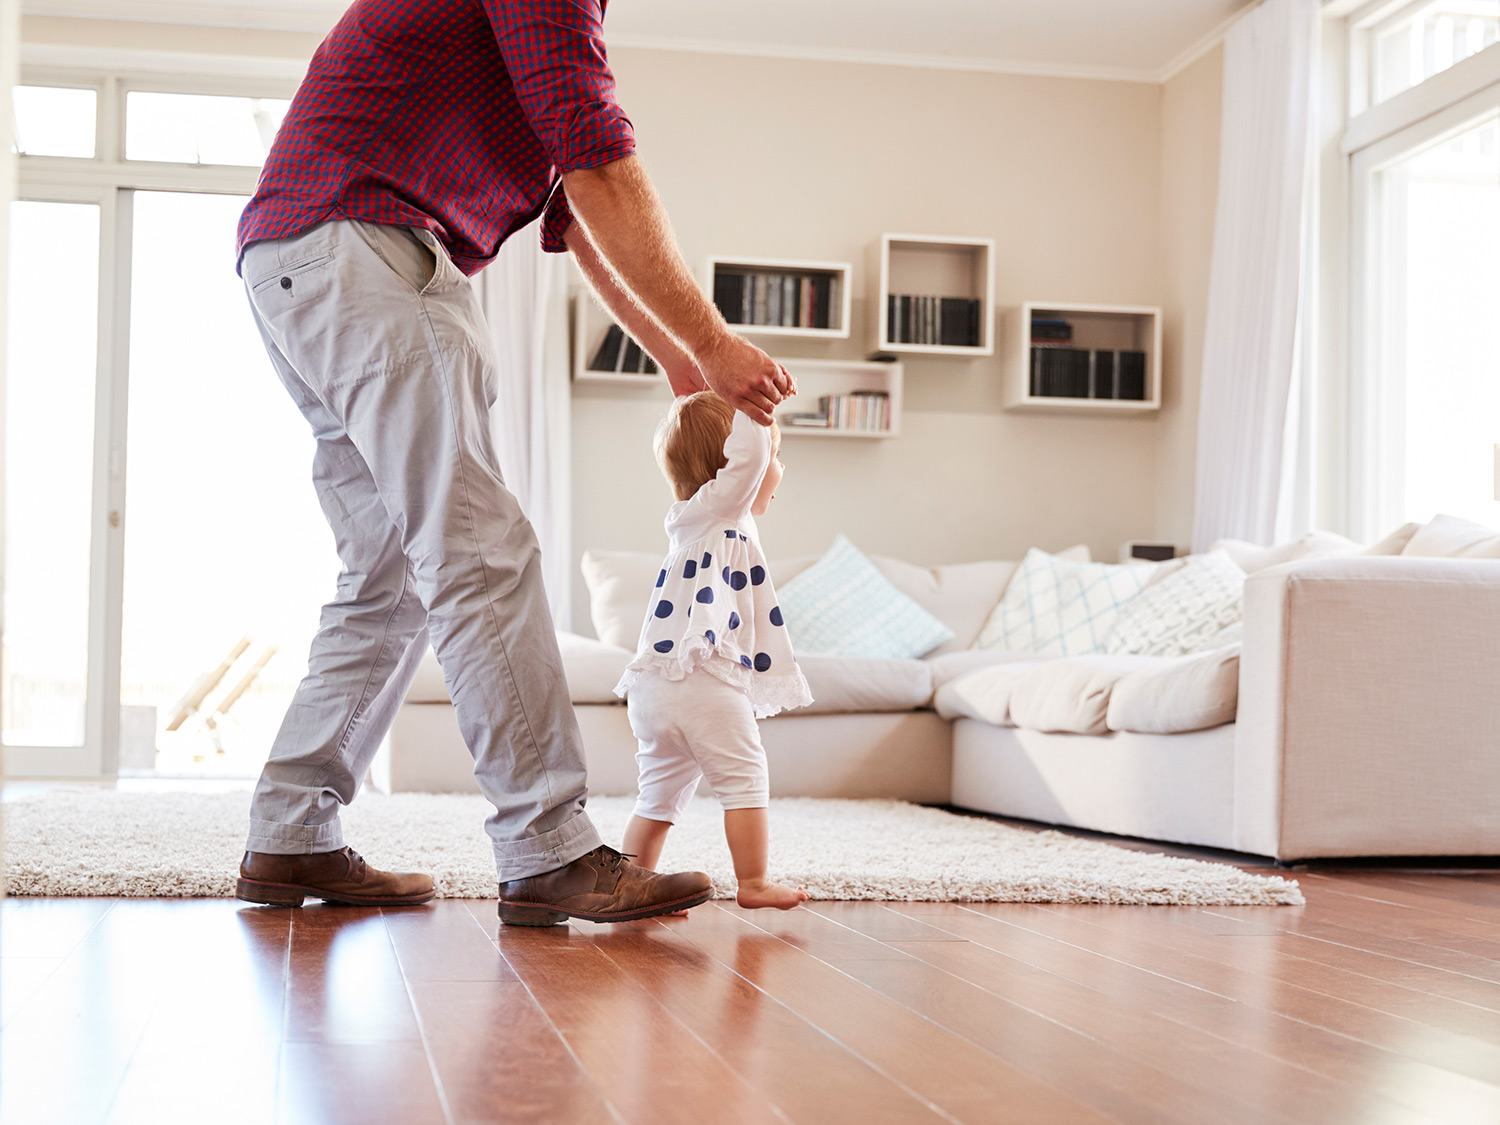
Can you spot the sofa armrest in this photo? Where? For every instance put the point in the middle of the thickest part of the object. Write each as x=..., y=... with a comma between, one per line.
x=1369, y=709
x=592, y=667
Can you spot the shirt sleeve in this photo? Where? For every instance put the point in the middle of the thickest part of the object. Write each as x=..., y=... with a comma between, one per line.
x=554, y=52
x=748, y=449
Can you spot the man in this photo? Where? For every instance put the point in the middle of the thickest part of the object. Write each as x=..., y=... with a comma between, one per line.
x=425, y=133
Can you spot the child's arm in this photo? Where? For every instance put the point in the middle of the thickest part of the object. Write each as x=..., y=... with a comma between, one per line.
x=748, y=448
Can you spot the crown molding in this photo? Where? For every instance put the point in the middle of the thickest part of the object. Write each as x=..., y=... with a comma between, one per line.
x=1188, y=57
x=910, y=59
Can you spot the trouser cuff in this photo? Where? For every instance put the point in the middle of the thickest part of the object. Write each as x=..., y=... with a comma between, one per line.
x=273, y=838
x=520, y=859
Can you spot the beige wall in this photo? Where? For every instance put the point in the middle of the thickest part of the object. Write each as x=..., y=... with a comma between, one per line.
x=1189, y=198
x=814, y=159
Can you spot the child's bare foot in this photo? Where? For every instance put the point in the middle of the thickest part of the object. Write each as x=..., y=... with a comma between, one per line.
x=754, y=894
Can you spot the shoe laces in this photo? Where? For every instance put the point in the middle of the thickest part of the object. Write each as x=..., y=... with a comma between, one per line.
x=613, y=859
x=356, y=864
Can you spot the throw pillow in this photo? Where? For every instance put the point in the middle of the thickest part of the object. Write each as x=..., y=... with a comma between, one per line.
x=1056, y=607
x=1315, y=544
x=843, y=605
x=1179, y=614
x=1448, y=537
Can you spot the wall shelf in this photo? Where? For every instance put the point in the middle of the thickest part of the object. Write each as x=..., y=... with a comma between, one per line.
x=590, y=324
x=819, y=377
x=930, y=266
x=1110, y=328
x=816, y=291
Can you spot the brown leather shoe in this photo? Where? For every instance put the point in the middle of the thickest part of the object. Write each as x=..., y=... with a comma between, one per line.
x=341, y=876
x=602, y=886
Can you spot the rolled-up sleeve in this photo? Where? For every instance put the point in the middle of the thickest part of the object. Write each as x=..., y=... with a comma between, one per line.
x=554, y=52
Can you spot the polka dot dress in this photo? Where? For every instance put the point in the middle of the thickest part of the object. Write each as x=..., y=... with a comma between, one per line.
x=713, y=608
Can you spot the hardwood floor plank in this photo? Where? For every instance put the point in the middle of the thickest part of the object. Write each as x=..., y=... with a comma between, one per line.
x=1246, y=975
x=648, y=1065
x=344, y=982
x=328, y=1083
x=48, y=927
x=443, y=941
x=809, y=1076
x=973, y=1078
x=499, y=1059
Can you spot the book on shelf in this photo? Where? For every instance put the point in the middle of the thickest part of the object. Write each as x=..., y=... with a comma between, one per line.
x=1098, y=373
x=778, y=298
x=617, y=352
x=940, y=321
x=863, y=411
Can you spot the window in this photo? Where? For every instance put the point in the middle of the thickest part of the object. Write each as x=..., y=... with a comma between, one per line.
x=1420, y=40
x=54, y=121
x=199, y=129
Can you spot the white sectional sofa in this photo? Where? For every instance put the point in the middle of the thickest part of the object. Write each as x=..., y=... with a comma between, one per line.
x=1360, y=715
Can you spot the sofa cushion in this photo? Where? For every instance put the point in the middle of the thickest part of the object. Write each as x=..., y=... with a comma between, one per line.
x=961, y=596
x=1250, y=557
x=845, y=606
x=592, y=667
x=1070, y=696
x=1057, y=607
x=983, y=695
x=1394, y=543
x=842, y=684
x=949, y=666
x=620, y=585
x=1448, y=537
x=1178, y=614
x=1177, y=695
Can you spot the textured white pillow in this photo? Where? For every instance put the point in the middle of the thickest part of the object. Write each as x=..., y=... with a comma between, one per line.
x=1056, y=607
x=844, y=606
x=1315, y=544
x=1180, y=613
x=1448, y=537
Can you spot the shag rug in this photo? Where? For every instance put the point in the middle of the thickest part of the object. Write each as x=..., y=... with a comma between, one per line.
x=184, y=845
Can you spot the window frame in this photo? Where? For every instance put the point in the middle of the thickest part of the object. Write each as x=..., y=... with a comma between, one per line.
x=110, y=182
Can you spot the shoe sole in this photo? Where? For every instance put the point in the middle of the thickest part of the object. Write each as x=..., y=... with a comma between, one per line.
x=533, y=914
x=289, y=894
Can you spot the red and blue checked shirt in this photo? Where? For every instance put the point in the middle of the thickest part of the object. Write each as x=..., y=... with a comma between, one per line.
x=454, y=115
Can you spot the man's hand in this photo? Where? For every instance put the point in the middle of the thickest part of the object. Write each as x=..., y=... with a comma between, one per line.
x=746, y=377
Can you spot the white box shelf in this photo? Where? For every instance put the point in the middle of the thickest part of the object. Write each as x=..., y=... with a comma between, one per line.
x=590, y=323
x=921, y=265
x=1112, y=328
x=830, y=278
x=818, y=377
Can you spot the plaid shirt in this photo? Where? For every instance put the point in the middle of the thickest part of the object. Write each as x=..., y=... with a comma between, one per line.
x=454, y=115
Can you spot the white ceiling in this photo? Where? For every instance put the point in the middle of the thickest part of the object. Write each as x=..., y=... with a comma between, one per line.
x=1142, y=40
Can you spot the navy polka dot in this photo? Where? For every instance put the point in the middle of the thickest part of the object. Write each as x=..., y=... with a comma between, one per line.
x=745, y=660
x=762, y=662
x=776, y=615
x=713, y=640
x=742, y=537
x=725, y=573
x=690, y=569
x=757, y=575
x=661, y=578
x=663, y=646
x=729, y=535
x=706, y=596
x=734, y=620
x=707, y=560
x=664, y=608
x=737, y=580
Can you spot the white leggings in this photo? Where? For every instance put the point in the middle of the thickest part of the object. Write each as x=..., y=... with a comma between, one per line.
x=691, y=728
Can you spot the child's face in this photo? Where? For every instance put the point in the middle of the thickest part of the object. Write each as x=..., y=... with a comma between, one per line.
x=769, y=482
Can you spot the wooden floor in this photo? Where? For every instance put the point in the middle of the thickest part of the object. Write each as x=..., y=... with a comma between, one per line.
x=1378, y=1002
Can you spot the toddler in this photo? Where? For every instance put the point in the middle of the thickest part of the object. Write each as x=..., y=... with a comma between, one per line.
x=714, y=655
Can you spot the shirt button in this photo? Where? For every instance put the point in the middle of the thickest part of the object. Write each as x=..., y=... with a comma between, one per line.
x=286, y=283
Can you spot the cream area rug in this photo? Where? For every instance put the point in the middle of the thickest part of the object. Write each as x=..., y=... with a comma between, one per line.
x=103, y=842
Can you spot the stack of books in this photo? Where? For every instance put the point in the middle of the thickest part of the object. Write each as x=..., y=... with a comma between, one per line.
x=777, y=299
x=1062, y=372
x=866, y=411
x=946, y=321
x=618, y=352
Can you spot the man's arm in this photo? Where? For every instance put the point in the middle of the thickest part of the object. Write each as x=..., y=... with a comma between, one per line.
x=626, y=224
x=682, y=373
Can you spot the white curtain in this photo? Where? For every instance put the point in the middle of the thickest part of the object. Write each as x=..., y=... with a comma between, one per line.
x=524, y=296
x=1256, y=336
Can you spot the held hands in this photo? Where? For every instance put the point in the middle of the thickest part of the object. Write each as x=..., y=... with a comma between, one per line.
x=746, y=377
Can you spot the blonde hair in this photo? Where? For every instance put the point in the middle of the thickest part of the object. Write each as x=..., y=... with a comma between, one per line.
x=690, y=441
